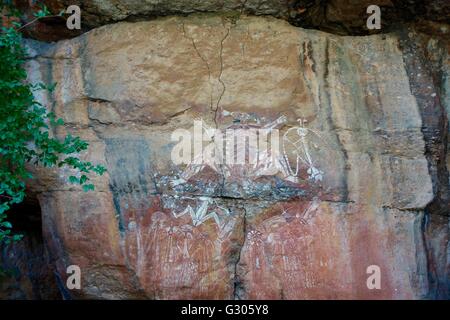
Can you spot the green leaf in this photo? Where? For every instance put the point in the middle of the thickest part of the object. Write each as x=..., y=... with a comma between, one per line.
x=88, y=187
x=17, y=237
x=6, y=224
x=73, y=179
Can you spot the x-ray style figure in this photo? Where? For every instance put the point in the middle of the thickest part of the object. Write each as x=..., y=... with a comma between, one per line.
x=200, y=162
x=201, y=214
x=296, y=146
x=296, y=142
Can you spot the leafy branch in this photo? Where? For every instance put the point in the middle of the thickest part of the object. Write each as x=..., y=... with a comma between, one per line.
x=26, y=124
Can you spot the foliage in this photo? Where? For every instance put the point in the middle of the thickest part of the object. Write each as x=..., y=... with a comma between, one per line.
x=26, y=128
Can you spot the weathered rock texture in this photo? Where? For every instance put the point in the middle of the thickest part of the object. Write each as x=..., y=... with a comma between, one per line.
x=376, y=104
x=335, y=16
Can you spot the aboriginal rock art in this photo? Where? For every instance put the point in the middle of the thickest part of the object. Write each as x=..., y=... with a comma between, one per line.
x=201, y=214
x=171, y=249
x=373, y=154
x=286, y=156
x=264, y=161
x=277, y=236
x=296, y=141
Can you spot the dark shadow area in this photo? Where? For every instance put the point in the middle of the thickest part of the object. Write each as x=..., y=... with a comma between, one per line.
x=25, y=269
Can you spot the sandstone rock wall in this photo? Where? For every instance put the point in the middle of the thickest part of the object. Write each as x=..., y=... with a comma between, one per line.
x=375, y=113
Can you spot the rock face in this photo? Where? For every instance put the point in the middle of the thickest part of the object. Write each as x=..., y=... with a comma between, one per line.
x=362, y=179
x=345, y=17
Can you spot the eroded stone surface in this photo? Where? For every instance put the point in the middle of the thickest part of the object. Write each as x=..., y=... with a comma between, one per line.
x=126, y=87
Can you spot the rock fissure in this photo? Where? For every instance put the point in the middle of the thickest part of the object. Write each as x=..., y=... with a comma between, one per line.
x=220, y=75
x=206, y=63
